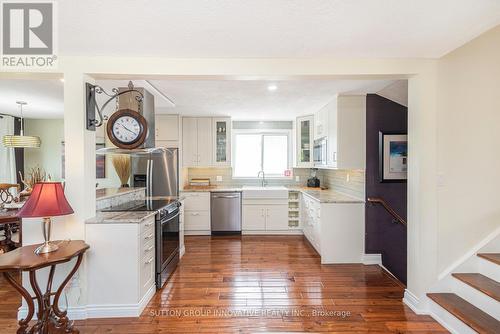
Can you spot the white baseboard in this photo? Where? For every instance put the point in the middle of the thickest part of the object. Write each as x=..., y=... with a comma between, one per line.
x=103, y=311
x=413, y=302
x=280, y=232
x=372, y=259
x=74, y=313
x=182, y=251
x=197, y=232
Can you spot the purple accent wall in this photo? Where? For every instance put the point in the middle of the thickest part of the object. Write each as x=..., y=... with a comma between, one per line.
x=382, y=235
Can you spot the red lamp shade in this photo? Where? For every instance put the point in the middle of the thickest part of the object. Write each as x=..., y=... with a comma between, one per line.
x=46, y=200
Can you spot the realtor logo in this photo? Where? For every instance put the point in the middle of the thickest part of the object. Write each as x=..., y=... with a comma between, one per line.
x=28, y=35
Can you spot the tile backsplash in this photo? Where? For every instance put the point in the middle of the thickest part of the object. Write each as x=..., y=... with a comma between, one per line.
x=351, y=182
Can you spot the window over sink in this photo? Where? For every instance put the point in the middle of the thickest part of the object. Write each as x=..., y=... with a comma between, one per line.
x=256, y=151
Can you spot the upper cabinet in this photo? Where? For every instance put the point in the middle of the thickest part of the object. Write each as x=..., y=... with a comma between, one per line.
x=206, y=141
x=221, y=129
x=349, y=148
x=197, y=141
x=343, y=123
x=321, y=124
x=305, y=128
x=167, y=130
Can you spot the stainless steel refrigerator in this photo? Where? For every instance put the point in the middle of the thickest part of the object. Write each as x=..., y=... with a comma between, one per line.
x=158, y=172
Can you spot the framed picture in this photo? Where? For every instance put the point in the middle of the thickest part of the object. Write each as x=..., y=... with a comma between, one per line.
x=393, y=157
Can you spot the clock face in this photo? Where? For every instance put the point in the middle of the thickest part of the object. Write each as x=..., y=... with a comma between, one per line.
x=126, y=129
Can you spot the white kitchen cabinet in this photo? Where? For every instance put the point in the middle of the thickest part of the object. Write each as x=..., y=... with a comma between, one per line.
x=167, y=130
x=265, y=215
x=335, y=230
x=190, y=141
x=221, y=128
x=320, y=124
x=197, y=141
x=343, y=123
x=130, y=246
x=351, y=132
x=253, y=218
x=277, y=217
x=205, y=146
x=196, y=213
x=305, y=129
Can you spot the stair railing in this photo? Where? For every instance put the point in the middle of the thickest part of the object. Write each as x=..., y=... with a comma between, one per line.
x=392, y=212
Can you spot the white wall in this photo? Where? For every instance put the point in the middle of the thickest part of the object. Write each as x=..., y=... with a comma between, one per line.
x=468, y=139
x=49, y=155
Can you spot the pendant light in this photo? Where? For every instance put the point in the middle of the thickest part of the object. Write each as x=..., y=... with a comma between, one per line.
x=21, y=140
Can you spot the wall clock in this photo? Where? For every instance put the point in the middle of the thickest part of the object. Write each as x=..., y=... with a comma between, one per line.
x=127, y=129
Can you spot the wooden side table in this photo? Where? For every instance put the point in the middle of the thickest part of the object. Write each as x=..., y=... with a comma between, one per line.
x=50, y=318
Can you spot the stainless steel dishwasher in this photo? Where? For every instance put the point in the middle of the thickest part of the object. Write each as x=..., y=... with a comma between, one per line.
x=225, y=213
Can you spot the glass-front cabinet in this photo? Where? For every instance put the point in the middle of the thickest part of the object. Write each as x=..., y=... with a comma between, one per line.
x=222, y=141
x=305, y=128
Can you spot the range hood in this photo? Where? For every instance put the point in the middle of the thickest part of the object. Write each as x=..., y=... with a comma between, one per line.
x=146, y=107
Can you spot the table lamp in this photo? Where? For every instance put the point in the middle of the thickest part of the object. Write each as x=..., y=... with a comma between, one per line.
x=46, y=200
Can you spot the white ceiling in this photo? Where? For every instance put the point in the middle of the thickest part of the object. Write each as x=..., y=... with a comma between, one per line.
x=272, y=28
x=251, y=100
x=44, y=97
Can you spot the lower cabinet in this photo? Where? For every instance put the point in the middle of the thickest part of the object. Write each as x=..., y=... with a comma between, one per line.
x=196, y=213
x=130, y=247
x=335, y=230
x=265, y=215
x=277, y=217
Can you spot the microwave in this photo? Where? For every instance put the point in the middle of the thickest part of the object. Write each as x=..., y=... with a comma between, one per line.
x=320, y=152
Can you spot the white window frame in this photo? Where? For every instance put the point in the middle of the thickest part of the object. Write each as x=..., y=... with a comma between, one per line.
x=268, y=132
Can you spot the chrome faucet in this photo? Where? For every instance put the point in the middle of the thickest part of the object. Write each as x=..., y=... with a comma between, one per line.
x=263, y=182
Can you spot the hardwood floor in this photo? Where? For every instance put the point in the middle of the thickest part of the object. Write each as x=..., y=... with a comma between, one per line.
x=262, y=284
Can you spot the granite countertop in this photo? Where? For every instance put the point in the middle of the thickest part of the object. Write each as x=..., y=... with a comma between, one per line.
x=330, y=196
x=128, y=217
x=318, y=194
x=211, y=188
x=105, y=193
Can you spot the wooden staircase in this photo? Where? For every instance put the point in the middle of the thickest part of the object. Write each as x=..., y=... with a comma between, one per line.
x=466, y=312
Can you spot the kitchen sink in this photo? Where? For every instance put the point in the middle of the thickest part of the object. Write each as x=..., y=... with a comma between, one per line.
x=271, y=192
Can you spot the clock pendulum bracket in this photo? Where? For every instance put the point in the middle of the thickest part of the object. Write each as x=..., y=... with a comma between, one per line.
x=92, y=106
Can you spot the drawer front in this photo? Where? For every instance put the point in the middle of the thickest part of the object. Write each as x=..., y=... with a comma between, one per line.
x=197, y=201
x=196, y=220
x=148, y=249
x=147, y=266
x=148, y=226
x=147, y=239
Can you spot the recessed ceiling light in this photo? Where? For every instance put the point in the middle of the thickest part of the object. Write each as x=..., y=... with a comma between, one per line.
x=272, y=88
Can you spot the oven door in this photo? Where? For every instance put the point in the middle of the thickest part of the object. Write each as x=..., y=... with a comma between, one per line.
x=320, y=152
x=167, y=245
